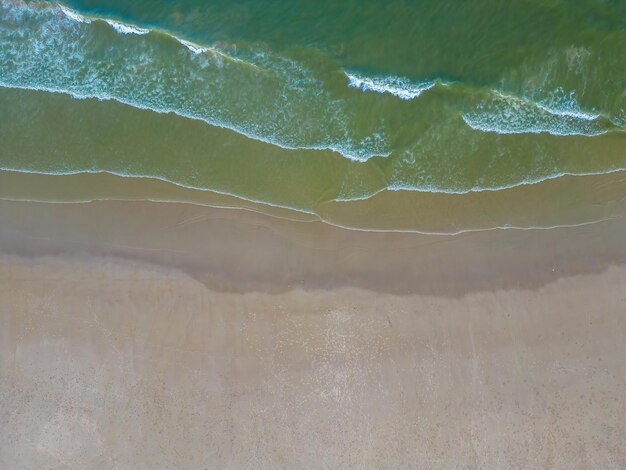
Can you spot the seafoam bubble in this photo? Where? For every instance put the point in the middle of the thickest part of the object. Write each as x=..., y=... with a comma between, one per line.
x=509, y=114
x=561, y=103
x=275, y=102
x=71, y=14
x=118, y=26
x=125, y=28
x=194, y=48
x=400, y=87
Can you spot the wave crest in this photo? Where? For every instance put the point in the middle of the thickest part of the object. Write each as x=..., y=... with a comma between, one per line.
x=257, y=94
x=509, y=114
x=400, y=87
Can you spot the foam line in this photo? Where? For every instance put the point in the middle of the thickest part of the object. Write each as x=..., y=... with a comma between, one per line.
x=396, y=86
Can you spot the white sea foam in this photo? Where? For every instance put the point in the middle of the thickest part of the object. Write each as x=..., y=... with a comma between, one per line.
x=194, y=48
x=429, y=188
x=158, y=178
x=491, y=123
x=561, y=103
x=304, y=211
x=401, y=87
x=118, y=26
x=71, y=14
x=343, y=150
x=126, y=28
x=568, y=113
x=275, y=124
x=504, y=113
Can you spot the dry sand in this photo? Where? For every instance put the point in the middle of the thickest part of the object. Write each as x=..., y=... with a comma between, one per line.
x=155, y=335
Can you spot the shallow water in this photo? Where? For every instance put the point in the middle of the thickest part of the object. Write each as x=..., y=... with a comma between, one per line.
x=302, y=105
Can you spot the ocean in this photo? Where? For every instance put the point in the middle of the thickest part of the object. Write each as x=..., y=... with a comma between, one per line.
x=319, y=106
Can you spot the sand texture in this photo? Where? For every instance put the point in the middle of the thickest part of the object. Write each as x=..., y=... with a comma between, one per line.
x=141, y=359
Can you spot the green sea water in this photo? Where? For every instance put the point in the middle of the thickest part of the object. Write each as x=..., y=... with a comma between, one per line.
x=301, y=103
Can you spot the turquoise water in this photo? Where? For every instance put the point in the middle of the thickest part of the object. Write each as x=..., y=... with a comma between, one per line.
x=299, y=103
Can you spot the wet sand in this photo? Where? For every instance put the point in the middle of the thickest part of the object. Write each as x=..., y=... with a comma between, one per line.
x=161, y=335
x=565, y=201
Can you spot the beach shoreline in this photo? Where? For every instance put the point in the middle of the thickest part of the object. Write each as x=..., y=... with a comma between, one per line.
x=318, y=235
x=241, y=250
x=144, y=335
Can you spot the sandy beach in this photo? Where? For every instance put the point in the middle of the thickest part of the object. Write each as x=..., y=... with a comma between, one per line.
x=312, y=235
x=161, y=335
